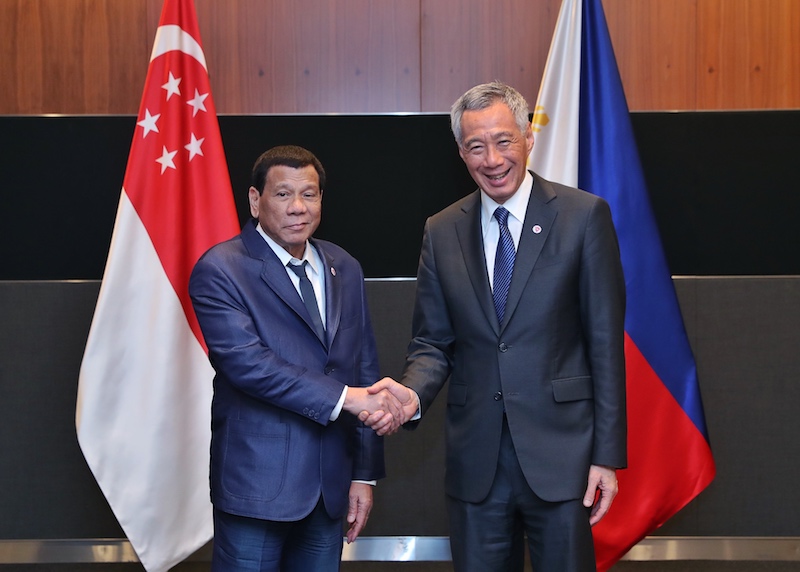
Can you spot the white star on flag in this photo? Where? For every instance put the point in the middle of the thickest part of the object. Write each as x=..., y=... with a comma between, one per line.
x=172, y=86
x=194, y=147
x=149, y=122
x=197, y=102
x=166, y=160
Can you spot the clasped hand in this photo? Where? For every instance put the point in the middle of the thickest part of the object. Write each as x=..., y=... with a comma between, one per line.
x=384, y=406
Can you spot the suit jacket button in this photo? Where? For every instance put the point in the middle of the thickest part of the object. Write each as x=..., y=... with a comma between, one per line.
x=328, y=370
x=305, y=410
x=503, y=347
x=498, y=396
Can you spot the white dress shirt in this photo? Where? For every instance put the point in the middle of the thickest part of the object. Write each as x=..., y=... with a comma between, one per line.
x=313, y=269
x=516, y=205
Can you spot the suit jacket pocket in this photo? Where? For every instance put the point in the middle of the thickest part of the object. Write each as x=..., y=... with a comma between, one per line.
x=573, y=388
x=255, y=460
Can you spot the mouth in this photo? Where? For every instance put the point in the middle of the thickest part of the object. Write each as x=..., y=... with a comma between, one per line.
x=497, y=178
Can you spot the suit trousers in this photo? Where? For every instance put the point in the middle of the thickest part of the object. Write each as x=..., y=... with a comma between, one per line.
x=489, y=536
x=255, y=545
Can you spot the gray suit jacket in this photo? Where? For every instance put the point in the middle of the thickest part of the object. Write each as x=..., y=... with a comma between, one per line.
x=556, y=366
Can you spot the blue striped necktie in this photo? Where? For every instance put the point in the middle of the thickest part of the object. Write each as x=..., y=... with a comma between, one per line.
x=503, y=263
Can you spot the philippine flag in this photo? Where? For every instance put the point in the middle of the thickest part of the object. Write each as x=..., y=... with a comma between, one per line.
x=144, y=394
x=583, y=137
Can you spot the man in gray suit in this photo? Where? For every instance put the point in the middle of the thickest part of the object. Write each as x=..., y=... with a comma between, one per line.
x=520, y=302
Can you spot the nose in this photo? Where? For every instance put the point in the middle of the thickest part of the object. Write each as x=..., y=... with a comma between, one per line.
x=493, y=158
x=297, y=205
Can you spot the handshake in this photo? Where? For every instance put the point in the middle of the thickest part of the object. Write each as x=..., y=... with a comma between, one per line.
x=384, y=406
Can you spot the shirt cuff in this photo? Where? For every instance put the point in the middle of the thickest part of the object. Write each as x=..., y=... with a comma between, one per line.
x=338, y=409
x=418, y=415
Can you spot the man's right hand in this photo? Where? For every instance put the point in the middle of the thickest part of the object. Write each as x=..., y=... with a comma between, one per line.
x=380, y=404
x=407, y=400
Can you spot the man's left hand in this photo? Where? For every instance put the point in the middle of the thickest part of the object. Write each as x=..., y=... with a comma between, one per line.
x=360, y=507
x=604, y=481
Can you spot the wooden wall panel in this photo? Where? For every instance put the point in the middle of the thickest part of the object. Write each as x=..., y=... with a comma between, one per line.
x=467, y=42
x=21, y=44
x=312, y=56
x=748, y=54
x=72, y=56
x=364, y=56
x=655, y=46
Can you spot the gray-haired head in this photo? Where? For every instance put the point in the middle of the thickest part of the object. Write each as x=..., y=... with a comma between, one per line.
x=485, y=95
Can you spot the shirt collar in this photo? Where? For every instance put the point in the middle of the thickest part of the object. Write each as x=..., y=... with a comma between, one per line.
x=310, y=254
x=517, y=204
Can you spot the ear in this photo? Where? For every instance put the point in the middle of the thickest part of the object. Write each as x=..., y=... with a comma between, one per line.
x=252, y=199
x=529, y=139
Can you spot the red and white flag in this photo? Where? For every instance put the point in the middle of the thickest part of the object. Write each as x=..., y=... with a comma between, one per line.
x=145, y=387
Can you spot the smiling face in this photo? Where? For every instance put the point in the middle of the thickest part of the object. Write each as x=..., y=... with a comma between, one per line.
x=495, y=150
x=290, y=207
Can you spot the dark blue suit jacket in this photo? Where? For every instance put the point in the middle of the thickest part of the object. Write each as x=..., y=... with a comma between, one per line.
x=273, y=448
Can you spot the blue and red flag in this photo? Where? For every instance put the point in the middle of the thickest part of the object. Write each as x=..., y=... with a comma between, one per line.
x=583, y=137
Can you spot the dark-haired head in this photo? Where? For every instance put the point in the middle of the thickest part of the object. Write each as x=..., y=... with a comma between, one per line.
x=289, y=156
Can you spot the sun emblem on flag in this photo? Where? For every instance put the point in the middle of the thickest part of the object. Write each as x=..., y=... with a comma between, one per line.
x=540, y=119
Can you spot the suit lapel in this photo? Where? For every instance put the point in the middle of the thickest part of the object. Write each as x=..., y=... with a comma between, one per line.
x=333, y=294
x=539, y=218
x=470, y=238
x=273, y=273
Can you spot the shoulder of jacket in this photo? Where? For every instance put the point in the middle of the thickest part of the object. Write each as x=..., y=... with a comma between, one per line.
x=458, y=209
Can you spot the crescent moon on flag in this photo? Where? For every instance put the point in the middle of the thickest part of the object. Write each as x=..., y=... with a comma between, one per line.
x=169, y=38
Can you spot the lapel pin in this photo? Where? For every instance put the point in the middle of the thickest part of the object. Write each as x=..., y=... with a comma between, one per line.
x=333, y=271
x=537, y=229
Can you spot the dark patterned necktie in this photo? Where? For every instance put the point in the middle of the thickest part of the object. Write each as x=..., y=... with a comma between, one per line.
x=309, y=299
x=503, y=263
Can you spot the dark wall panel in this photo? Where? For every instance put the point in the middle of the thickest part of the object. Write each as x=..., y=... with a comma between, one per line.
x=743, y=331
x=46, y=488
x=723, y=186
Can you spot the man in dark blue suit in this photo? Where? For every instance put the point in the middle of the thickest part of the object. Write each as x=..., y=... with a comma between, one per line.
x=289, y=336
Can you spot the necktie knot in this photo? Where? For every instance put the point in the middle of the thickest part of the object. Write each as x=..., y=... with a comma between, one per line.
x=501, y=214
x=299, y=269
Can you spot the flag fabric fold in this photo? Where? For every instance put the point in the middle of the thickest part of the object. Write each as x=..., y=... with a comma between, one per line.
x=145, y=385
x=583, y=137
